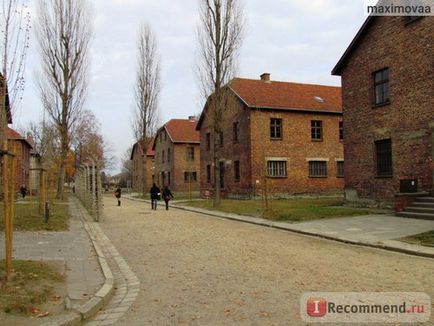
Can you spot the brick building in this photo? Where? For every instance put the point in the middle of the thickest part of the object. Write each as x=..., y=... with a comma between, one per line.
x=388, y=104
x=280, y=133
x=137, y=161
x=21, y=147
x=177, y=155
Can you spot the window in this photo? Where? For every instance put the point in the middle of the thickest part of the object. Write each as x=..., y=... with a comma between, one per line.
x=340, y=169
x=208, y=141
x=317, y=169
x=208, y=173
x=222, y=175
x=316, y=129
x=190, y=153
x=237, y=171
x=276, y=128
x=190, y=176
x=168, y=155
x=162, y=157
x=221, y=139
x=236, y=132
x=341, y=130
x=276, y=168
x=381, y=86
x=383, y=149
x=168, y=178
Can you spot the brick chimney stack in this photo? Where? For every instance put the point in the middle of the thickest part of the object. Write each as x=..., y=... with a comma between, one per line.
x=265, y=77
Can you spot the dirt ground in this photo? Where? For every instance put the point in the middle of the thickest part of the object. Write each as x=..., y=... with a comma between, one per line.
x=201, y=270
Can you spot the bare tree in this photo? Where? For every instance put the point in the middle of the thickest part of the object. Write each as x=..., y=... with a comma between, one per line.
x=146, y=90
x=64, y=33
x=15, y=30
x=220, y=36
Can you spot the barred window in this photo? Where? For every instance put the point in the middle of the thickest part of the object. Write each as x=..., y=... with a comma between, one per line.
x=236, y=132
x=276, y=128
x=341, y=130
x=317, y=169
x=383, y=149
x=208, y=173
x=316, y=129
x=208, y=141
x=340, y=169
x=237, y=171
x=190, y=153
x=190, y=176
x=381, y=86
x=276, y=168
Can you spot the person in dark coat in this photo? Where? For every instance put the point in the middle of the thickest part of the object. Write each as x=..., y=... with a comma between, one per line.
x=118, y=193
x=167, y=195
x=155, y=196
x=23, y=191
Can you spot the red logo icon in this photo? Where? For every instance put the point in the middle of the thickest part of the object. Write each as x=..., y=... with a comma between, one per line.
x=316, y=307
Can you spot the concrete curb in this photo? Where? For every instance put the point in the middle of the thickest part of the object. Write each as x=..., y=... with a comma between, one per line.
x=80, y=313
x=395, y=247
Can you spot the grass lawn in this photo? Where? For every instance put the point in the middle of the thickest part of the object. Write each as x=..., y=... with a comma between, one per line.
x=32, y=285
x=27, y=217
x=295, y=209
x=422, y=239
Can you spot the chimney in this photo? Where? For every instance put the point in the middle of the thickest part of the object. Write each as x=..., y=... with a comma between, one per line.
x=265, y=77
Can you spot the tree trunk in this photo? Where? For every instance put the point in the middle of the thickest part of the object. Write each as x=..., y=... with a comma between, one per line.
x=63, y=161
x=144, y=176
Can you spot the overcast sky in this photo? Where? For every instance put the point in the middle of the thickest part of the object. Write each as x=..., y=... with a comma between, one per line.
x=293, y=40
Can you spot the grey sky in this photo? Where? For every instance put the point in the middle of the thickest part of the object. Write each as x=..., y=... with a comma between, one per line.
x=294, y=40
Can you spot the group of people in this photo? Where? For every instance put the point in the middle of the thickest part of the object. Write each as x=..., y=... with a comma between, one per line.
x=156, y=195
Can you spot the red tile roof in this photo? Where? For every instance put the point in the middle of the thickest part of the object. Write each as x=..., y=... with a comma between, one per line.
x=149, y=151
x=286, y=95
x=182, y=131
x=14, y=135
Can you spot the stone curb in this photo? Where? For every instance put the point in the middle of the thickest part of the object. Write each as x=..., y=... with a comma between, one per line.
x=420, y=251
x=81, y=313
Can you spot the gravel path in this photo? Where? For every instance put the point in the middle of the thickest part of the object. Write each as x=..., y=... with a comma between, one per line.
x=200, y=270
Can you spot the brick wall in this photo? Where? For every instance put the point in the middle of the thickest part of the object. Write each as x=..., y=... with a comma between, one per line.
x=255, y=145
x=407, y=50
x=22, y=162
x=175, y=164
x=297, y=148
x=138, y=169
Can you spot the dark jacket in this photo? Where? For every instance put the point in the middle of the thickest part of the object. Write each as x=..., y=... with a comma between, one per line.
x=155, y=192
x=167, y=194
x=118, y=193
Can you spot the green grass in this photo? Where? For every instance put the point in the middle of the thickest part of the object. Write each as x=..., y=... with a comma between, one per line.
x=31, y=285
x=296, y=209
x=422, y=239
x=27, y=217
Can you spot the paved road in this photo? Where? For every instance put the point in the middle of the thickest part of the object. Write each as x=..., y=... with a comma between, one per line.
x=201, y=270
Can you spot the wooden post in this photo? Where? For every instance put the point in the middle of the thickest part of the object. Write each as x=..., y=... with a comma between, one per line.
x=7, y=211
x=12, y=200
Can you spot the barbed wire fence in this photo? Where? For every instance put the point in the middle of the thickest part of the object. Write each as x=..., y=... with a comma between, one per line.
x=88, y=189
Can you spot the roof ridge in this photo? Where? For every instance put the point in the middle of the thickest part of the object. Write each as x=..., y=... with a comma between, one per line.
x=285, y=82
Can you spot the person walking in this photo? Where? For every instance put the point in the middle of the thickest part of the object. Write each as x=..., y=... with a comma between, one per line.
x=167, y=195
x=155, y=196
x=23, y=191
x=118, y=193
